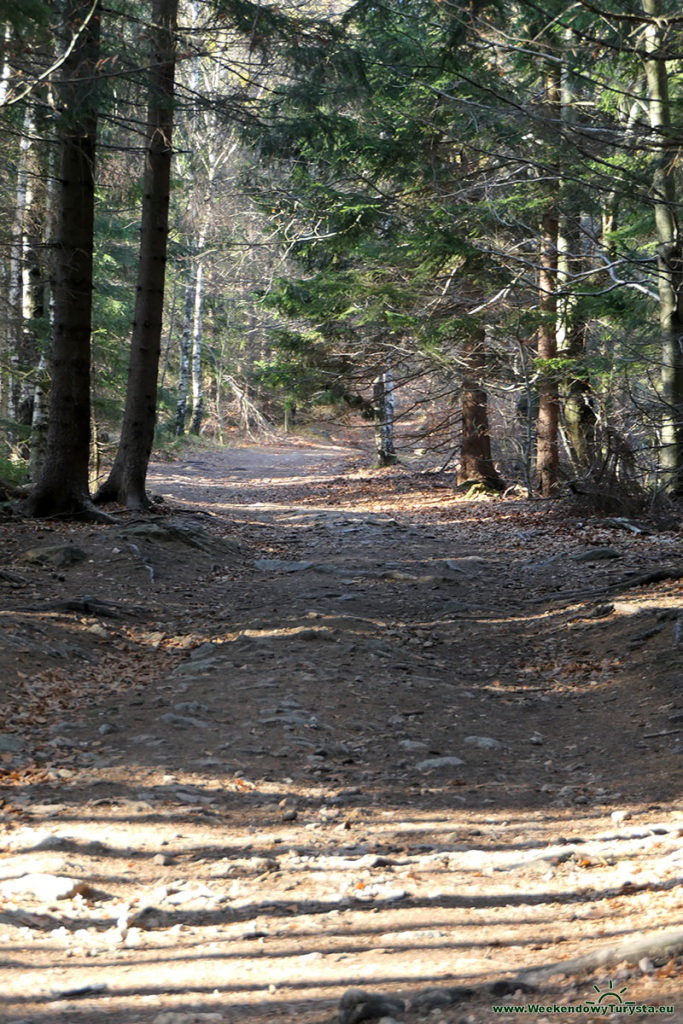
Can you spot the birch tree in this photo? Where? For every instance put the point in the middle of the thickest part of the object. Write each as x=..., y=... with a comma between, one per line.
x=208, y=144
x=17, y=280
x=383, y=410
x=185, y=353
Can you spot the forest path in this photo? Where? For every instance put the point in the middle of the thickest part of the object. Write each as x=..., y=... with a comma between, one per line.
x=354, y=731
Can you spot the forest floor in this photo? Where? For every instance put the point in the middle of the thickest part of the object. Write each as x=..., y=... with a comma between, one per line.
x=312, y=727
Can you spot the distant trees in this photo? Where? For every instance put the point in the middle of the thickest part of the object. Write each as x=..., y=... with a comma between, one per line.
x=371, y=147
x=427, y=212
x=28, y=167
x=117, y=83
x=515, y=160
x=658, y=53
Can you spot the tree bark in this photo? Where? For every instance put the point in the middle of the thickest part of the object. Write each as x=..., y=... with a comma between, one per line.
x=578, y=413
x=476, y=463
x=127, y=477
x=62, y=488
x=669, y=253
x=5, y=69
x=547, y=449
x=197, y=384
x=39, y=419
x=185, y=352
x=41, y=392
x=577, y=410
x=35, y=290
x=15, y=290
x=383, y=409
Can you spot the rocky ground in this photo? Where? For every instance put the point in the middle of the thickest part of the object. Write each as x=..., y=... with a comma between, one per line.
x=311, y=728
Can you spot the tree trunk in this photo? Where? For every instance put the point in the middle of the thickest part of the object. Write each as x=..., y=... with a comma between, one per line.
x=577, y=408
x=127, y=477
x=185, y=352
x=35, y=292
x=39, y=420
x=476, y=463
x=15, y=289
x=41, y=383
x=669, y=252
x=197, y=385
x=577, y=411
x=547, y=449
x=33, y=309
x=5, y=69
x=62, y=488
x=383, y=408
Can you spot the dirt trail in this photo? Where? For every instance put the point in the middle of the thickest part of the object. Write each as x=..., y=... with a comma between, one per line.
x=338, y=728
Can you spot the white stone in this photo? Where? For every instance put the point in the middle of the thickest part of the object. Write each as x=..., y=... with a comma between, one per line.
x=438, y=762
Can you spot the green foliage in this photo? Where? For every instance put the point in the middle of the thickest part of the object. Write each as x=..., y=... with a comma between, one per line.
x=301, y=369
x=114, y=273
x=389, y=237
x=405, y=155
x=13, y=471
x=26, y=15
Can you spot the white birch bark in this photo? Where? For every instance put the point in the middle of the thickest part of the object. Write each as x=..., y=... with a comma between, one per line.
x=384, y=406
x=41, y=395
x=185, y=352
x=197, y=317
x=15, y=285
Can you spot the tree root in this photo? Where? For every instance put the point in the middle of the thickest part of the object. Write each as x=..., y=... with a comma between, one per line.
x=89, y=606
x=639, y=580
x=46, y=506
x=632, y=950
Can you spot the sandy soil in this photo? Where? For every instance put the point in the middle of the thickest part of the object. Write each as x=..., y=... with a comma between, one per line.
x=312, y=726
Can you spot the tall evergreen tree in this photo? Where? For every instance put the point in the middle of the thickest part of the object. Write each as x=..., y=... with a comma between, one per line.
x=547, y=448
x=669, y=242
x=126, y=480
x=62, y=488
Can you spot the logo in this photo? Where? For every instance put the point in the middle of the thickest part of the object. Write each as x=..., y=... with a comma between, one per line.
x=610, y=996
x=608, y=1003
